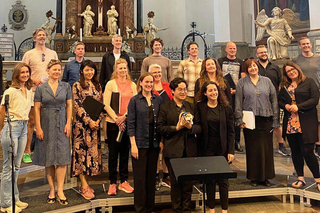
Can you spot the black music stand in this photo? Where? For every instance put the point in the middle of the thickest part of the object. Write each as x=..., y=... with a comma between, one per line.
x=202, y=169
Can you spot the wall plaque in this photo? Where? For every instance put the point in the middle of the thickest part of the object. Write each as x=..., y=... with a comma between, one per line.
x=18, y=16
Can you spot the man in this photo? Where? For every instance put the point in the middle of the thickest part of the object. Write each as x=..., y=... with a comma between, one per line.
x=109, y=59
x=190, y=68
x=156, y=58
x=178, y=140
x=272, y=71
x=38, y=59
x=233, y=66
x=71, y=71
x=310, y=66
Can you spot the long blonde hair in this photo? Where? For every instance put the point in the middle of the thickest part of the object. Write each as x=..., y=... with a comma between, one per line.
x=115, y=74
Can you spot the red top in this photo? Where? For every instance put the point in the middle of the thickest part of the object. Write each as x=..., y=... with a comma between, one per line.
x=166, y=88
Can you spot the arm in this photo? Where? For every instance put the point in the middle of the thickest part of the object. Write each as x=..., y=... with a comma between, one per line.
x=107, y=100
x=67, y=128
x=230, y=133
x=274, y=105
x=131, y=119
x=228, y=92
x=170, y=71
x=134, y=148
x=314, y=96
x=197, y=120
x=162, y=126
x=145, y=65
x=266, y=23
x=37, y=106
x=238, y=104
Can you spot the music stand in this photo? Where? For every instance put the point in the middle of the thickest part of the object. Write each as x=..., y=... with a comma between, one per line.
x=202, y=169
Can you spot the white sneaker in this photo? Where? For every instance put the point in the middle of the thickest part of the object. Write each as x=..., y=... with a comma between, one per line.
x=9, y=209
x=21, y=205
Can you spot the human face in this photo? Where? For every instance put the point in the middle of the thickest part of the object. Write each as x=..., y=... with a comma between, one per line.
x=40, y=38
x=88, y=73
x=292, y=73
x=55, y=71
x=211, y=66
x=212, y=92
x=180, y=93
x=253, y=69
x=193, y=50
x=117, y=42
x=79, y=51
x=122, y=70
x=147, y=84
x=305, y=45
x=157, y=47
x=231, y=49
x=262, y=54
x=156, y=73
x=24, y=75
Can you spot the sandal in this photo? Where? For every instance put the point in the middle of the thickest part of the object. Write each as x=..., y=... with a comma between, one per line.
x=51, y=200
x=62, y=202
x=296, y=184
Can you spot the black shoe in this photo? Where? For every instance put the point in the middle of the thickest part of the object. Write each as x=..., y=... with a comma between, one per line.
x=238, y=146
x=254, y=183
x=266, y=183
x=317, y=151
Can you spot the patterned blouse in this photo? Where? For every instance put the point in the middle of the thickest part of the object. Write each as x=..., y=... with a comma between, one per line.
x=293, y=125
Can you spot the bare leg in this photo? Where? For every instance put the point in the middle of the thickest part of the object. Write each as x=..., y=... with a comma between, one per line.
x=213, y=211
x=224, y=211
x=278, y=134
x=50, y=172
x=84, y=183
x=164, y=166
x=61, y=173
x=31, y=124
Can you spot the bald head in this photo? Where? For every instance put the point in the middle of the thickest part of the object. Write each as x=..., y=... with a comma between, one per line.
x=231, y=50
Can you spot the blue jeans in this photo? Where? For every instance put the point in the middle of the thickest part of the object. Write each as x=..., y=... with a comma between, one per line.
x=19, y=136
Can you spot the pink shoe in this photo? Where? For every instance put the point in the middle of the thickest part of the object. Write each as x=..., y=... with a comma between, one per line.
x=80, y=189
x=112, y=189
x=86, y=193
x=125, y=186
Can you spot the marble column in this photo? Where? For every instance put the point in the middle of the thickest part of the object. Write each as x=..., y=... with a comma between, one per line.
x=59, y=15
x=139, y=16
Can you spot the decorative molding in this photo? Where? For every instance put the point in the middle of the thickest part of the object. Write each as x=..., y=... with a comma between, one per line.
x=18, y=16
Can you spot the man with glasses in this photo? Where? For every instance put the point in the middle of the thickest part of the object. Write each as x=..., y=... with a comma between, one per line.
x=310, y=66
x=190, y=68
x=272, y=71
x=38, y=59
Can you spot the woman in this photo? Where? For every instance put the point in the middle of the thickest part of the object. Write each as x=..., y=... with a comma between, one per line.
x=143, y=112
x=257, y=94
x=120, y=83
x=20, y=101
x=86, y=147
x=211, y=71
x=298, y=98
x=53, y=113
x=161, y=88
x=217, y=138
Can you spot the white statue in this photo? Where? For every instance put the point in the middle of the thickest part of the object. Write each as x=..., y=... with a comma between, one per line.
x=112, y=21
x=48, y=29
x=130, y=32
x=150, y=30
x=87, y=21
x=72, y=32
x=279, y=30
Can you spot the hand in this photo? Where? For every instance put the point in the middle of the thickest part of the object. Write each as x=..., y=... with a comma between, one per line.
x=188, y=124
x=36, y=82
x=230, y=158
x=161, y=145
x=67, y=130
x=93, y=125
x=120, y=119
x=242, y=126
x=294, y=108
x=39, y=134
x=134, y=152
x=232, y=91
x=288, y=107
x=122, y=127
x=180, y=124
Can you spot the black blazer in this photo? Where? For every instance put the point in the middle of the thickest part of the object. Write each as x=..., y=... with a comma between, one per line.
x=175, y=141
x=226, y=128
x=307, y=98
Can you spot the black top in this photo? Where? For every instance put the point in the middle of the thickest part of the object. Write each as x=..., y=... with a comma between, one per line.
x=214, y=142
x=151, y=127
x=271, y=71
x=164, y=96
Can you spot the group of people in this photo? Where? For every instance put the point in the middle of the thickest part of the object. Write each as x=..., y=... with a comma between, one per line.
x=196, y=112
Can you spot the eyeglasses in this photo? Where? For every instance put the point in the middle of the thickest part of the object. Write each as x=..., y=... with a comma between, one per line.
x=182, y=90
x=43, y=57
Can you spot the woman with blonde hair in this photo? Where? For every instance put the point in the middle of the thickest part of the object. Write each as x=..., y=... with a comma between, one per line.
x=121, y=86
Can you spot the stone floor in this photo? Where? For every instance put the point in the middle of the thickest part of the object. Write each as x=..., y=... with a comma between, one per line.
x=31, y=182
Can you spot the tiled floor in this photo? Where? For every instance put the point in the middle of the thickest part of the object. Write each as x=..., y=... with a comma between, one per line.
x=33, y=183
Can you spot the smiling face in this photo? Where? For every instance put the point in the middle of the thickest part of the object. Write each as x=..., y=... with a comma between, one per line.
x=55, y=72
x=305, y=45
x=88, y=73
x=211, y=66
x=193, y=50
x=156, y=73
x=231, y=49
x=24, y=75
x=262, y=54
x=122, y=70
x=253, y=69
x=40, y=38
x=157, y=47
x=212, y=92
x=180, y=93
x=147, y=84
x=292, y=73
x=117, y=42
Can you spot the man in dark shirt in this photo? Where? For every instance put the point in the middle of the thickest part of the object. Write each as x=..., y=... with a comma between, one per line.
x=272, y=71
x=109, y=59
x=233, y=66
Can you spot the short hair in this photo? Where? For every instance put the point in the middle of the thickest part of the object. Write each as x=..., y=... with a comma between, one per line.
x=114, y=73
x=175, y=82
x=116, y=36
x=142, y=76
x=15, y=83
x=247, y=63
x=188, y=46
x=302, y=38
x=36, y=31
x=277, y=8
x=53, y=62
x=222, y=98
x=77, y=44
x=154, y=40
x=286, y=81
x=154, y=66
x=94, y=79
x=261, y=46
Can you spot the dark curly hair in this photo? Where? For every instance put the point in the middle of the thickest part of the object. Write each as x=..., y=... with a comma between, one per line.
x=222, y=98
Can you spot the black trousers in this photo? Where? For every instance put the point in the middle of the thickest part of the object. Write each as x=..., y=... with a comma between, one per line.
x=116, y=149
x=301, y=151
x=180, y=192
x=144, y=176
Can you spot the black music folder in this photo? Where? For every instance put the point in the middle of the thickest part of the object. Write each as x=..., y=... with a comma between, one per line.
x=230, y=81
x=93, y=107
x=115, y=102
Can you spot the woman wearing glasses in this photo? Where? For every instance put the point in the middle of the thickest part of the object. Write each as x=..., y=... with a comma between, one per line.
x=53, y=113
x=298, y=98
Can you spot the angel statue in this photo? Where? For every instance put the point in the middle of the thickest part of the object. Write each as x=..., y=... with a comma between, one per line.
x=279, y=30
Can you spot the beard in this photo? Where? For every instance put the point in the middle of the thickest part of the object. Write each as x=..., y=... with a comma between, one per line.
x=263, y=60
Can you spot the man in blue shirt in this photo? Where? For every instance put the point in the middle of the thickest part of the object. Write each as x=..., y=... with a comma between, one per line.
x=71, y=71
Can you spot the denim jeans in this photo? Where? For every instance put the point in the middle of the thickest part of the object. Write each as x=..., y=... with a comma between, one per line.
x=19, y=136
